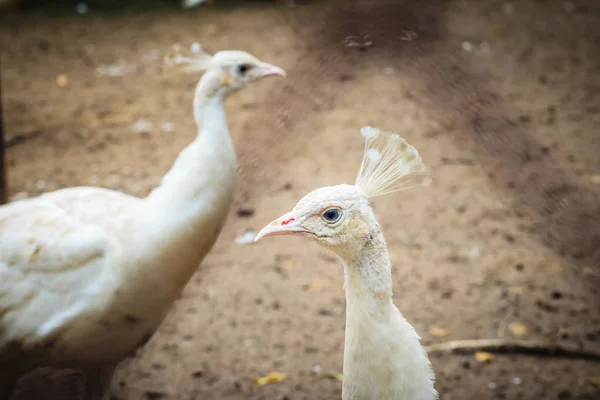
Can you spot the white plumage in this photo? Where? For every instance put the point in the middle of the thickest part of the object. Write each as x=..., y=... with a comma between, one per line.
x=383, y=357
x=87, y=274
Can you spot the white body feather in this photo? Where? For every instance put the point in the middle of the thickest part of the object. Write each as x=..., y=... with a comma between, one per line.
x=88, y=274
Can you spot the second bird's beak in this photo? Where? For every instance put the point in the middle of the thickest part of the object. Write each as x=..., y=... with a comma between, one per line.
x=287, y=224
x=270, y=69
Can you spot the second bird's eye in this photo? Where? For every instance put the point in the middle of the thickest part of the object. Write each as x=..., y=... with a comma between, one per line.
x=242, y=69
x=332, y=215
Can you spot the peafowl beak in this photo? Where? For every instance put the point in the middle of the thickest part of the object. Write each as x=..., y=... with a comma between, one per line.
x=288, y=224
x=270, y=69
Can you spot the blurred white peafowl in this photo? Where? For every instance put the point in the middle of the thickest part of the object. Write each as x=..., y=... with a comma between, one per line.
x=88, y=274
x=383, y=357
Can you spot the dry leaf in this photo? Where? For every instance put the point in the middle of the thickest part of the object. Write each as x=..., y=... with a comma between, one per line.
x=62, y=80
x=517, y=289
x=517, y=329
x=595, y=380
x=334, y=375
x=484, y=356
x=273, y=377
x=439, y=332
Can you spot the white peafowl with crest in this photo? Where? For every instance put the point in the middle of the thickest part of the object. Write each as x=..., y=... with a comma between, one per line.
x=383, y=357
x=88, y=274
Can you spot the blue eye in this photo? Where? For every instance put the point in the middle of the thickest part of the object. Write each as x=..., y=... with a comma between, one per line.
x=332, y=215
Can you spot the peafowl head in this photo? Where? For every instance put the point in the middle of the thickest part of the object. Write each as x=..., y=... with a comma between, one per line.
x=340, y=217
x=228, y=70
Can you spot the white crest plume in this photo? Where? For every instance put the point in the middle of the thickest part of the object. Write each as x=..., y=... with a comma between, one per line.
x=196, y=59
x=389, y=164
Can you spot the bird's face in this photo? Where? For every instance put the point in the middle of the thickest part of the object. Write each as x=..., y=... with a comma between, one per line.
x=338, y=217
x=240, y=68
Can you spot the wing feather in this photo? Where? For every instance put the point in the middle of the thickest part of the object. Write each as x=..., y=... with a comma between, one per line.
x=52, y=250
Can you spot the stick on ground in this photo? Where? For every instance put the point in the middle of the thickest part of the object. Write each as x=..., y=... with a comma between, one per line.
x=531, y=347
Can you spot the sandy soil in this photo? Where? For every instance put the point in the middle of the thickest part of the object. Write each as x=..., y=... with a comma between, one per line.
x=502, y=101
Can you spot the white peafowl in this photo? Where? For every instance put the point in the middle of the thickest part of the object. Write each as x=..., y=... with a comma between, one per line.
x=383, y=357
x=88, y=274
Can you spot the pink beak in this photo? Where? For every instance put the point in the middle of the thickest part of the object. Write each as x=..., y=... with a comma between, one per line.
x=270, y=69
x=287, y=224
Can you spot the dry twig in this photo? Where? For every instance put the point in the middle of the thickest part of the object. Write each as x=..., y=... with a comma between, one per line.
x=531, y=347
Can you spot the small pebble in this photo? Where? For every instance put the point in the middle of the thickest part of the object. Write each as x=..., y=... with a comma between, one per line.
x=517, y=380
x=142, y=126
x=196, y=48
x=467, y=46
x=508, y=8
x=408, y=35
x=492, y=385
x=316, y=368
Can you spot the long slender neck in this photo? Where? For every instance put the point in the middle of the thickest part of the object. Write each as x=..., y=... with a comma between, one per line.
x=200, y=165
x=383, y=358
x=209, y=89
x=368, y=274
x=182, y=218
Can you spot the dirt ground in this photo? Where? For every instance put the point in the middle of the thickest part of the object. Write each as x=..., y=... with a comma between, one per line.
x=502, y=100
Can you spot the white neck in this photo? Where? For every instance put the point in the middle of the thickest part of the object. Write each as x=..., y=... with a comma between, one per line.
x=383, y=358
x=181, y=219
